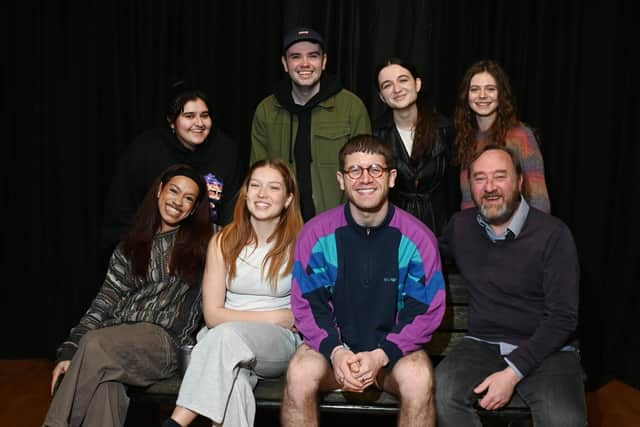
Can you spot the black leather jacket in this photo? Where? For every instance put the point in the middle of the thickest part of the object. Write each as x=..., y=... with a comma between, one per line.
x=428, y=189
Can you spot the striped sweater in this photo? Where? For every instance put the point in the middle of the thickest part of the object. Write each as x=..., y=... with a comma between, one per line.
x=366, y=287
x=522, y=141
x=158, y=298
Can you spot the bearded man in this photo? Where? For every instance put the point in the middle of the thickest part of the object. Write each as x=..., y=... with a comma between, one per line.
x=520, y=268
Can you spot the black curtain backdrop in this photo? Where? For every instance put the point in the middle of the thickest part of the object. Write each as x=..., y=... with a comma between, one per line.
x=81, y=79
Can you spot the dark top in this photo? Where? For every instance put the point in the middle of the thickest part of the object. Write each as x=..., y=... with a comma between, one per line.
x=428, y=187
x=151, y=153
x=523, y=290
x=329, y=86
x=367, y=287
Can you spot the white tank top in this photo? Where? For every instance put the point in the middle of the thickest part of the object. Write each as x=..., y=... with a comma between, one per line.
x=252, y=292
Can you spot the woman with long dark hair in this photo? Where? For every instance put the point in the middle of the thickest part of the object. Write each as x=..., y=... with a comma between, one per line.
x=249, y=330
x=148, y=306
x=426, y=184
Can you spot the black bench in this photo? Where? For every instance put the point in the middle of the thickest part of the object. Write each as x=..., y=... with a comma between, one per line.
x=268, y=393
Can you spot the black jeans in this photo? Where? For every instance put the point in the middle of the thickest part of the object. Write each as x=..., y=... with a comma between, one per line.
x=554, y=391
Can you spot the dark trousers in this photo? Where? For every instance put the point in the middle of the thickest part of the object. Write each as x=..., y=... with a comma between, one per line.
x=92, y=392
x=554, y=391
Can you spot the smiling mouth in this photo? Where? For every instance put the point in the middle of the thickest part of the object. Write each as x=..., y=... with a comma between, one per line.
x=365, y=191
x=174, y=209
x=492, y=199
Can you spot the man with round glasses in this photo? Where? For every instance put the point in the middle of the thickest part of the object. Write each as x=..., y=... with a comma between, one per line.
x=374, y=170
x=367, y=294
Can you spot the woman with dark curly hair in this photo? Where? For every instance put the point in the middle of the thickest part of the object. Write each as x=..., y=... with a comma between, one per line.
x=486, y=114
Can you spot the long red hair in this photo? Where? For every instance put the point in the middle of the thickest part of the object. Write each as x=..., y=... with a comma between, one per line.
x=239, y=233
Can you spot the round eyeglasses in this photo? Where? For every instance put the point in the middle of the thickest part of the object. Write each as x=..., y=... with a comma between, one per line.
x=374, y=171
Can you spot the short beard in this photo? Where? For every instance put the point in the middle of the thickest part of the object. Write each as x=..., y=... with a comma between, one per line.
x=505, y=212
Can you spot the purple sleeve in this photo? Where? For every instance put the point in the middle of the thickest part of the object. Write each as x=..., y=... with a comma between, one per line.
x=424, y=290
x=313, y=278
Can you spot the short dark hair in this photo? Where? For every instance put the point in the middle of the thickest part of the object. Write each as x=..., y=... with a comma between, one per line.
x=367, y=144
x=179, y=94
x=489, y=147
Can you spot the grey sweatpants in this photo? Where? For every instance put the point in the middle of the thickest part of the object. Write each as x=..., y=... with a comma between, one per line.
x=92, y=392
x=225, y=366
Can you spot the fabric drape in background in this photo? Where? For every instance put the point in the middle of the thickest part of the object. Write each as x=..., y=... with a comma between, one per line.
x=79, y=80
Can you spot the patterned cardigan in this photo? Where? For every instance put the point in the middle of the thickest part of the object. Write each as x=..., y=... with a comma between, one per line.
x=159, y=298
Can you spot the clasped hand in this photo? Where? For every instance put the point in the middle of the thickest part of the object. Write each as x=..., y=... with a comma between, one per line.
x=357, y=371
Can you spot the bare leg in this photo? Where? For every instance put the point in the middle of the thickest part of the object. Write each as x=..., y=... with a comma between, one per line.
x=183, y=416
x=308, y=374
x=411, y=379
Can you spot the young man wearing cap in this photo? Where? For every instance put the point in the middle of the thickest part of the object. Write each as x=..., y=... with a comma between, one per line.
x=306, y=121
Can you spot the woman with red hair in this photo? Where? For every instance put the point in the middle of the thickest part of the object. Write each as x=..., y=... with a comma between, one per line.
x=249, y=332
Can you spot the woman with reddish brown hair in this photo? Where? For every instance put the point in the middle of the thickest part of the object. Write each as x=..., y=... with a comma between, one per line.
x=249, y=332
x=486, y=114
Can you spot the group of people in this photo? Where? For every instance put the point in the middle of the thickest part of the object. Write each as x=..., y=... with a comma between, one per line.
x=323, y=262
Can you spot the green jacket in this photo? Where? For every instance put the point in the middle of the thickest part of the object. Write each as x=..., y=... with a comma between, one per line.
x=333, y=122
